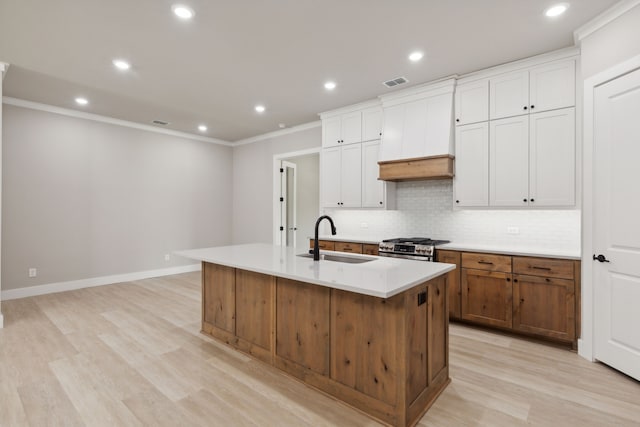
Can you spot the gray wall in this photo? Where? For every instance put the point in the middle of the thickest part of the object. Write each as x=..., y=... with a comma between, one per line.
x=616, y=42
x=253, y=183
x=86, y=199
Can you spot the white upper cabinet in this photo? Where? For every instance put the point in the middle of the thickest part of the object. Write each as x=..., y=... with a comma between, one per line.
x=371, y=124
x=472, y=102
x=509, y=161
x=330, y=177
x=509, y=95
x=342, y=129
x=471, y=181
x=552, y=86
x=392, y=131
x=552, y=158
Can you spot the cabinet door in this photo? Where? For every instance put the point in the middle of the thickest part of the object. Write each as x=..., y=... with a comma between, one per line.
x=509, y=95
x=509, y=162
x=486, y=297
x=415, y=129
x=472, y=165
x=219, y=294
x=391, y=147
x=351, y=176
x=453, y=281
x=552, y=158
x=331, y=165
x=351, y=128
x=472, y=102
x=552, y=86
x=372, y=124
x=331, y=131
x=372, y=187
x=544, y=306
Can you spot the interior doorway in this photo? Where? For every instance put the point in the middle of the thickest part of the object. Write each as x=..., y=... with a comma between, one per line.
x=296, y=197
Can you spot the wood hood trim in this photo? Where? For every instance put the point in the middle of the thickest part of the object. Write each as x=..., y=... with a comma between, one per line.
x=420, y=168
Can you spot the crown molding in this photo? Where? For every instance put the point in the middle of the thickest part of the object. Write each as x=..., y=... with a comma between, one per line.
x=603, y=19
x=103, y=119
x=350, y=108
x=274, y=134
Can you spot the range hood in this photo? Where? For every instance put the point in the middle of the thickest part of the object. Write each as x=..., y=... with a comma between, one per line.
x=417, y=141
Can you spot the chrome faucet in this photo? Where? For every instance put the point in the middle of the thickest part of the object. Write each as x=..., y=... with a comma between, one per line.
x=316, y=249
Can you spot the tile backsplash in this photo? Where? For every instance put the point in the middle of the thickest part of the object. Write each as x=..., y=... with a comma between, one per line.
x=424, y=208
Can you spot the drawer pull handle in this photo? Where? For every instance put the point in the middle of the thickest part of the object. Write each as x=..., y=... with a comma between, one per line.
x=541, y=268
x=485, y=262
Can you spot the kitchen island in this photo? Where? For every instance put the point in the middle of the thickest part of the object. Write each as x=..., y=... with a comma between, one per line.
x=370, y=331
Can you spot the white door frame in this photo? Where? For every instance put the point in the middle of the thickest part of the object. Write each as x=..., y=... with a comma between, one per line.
x=585, y=343
x=277, y=159
x=284, y=205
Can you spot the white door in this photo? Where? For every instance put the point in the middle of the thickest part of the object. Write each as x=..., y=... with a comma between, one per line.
x=472, y=165
x=289, y=191
x=472, y=102
x=509, y=162
x=372, y=187
x=552, y=158
x=509, y=95
x=616, y=211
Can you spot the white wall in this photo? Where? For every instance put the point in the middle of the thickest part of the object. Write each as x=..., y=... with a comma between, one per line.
x=85, y=199
x=253, y=183
x=425, y=209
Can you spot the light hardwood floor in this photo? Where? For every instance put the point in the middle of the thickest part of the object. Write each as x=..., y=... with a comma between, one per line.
x=131, y=354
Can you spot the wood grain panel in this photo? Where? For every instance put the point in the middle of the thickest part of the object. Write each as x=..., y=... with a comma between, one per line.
x=544, y=306
x=434, y=167
x=364, y=344
x=355, y=248
x=253, y=307
x=547, y=267
x=453, y=281
x=417, y=331
x=302, y=324
x=370, y=249
x=488, y=262
x=438, y=325
x=325, y=245
x=486, y=297
x=219, y=296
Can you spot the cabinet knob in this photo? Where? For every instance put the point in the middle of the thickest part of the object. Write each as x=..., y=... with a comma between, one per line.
x=515, y=280
x=533, y=106
x=457, y=201
x=381, y=203
x=524, y=200
x=458, y=120
x=525, y=107
x=531, y=200
x=380, y=133
x=508, y=280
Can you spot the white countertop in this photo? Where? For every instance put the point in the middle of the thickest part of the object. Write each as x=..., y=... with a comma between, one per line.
x=383, y=277
x=522, y=250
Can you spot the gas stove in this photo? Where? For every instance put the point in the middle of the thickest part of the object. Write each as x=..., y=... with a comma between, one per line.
x=416, y=248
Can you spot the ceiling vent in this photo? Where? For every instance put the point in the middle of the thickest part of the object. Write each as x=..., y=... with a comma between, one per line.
x=395, y=82
x=160, y=122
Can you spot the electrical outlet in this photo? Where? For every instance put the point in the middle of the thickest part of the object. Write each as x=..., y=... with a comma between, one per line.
x=167, y=257
x=33, y=272
x=364, y=225
x=513, y=230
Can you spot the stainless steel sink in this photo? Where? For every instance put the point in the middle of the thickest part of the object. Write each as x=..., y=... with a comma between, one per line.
x=340, y=258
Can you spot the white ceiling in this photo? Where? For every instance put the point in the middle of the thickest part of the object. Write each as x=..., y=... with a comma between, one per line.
x=238, y=53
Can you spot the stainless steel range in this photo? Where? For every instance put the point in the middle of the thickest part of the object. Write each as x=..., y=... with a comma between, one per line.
x=417, y=248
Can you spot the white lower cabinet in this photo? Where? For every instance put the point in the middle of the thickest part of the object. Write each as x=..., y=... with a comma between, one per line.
x=375, y=193
x=472, y=165
x=342, y=176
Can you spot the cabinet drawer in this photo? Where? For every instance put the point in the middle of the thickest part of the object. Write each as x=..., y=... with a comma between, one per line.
x=488, y=262
x=325, y=245
x=546, y=267
x=370, y=249
x=355, y=248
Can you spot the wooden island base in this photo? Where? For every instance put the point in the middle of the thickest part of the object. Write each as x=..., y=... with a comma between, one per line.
x=386, y=357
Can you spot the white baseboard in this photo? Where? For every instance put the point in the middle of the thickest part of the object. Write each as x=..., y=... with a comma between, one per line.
x=1, y=321
x=51, y=288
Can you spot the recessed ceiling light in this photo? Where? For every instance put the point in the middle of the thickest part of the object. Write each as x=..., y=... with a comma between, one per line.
x=121, y=64
x=260, y=108
x=330, y=85
x=416, y=56
x=202, y=128
x=182, y=11
x=82, y=101
x=557, y=10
